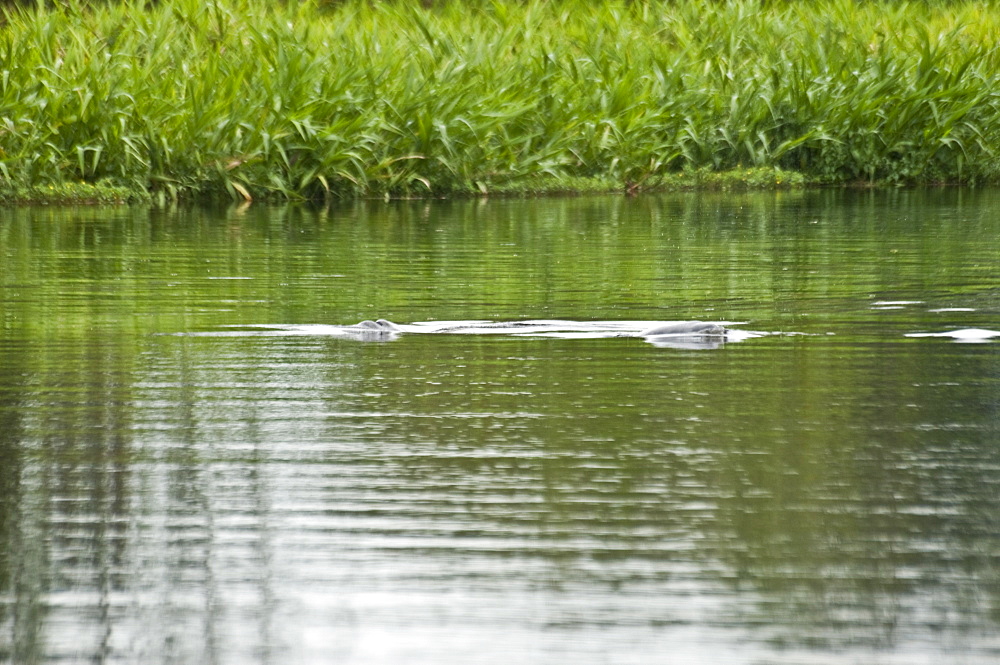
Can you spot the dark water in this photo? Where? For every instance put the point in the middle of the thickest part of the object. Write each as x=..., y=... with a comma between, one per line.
x=170, y=494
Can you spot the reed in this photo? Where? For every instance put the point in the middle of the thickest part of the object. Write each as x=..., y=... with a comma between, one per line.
x=252, y=99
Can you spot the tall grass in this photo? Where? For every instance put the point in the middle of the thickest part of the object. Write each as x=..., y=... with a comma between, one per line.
x=252, y=98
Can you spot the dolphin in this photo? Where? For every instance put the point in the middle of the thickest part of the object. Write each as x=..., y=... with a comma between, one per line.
x=687, y=329
x=376, y=326
x=664, y=334
x=676, y=334
x=369, y=330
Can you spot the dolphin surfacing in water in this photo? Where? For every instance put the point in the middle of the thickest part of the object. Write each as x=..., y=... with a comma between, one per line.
x=369, y=330
x=698, y=333
x=376, y=326
x=687, y=329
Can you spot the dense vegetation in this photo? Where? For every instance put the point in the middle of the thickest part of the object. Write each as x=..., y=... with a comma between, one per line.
x=188, y=97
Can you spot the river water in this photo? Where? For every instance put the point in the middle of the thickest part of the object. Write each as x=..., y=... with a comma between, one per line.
x=196, y=468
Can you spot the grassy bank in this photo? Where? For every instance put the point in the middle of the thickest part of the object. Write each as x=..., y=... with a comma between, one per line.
x=247, y=99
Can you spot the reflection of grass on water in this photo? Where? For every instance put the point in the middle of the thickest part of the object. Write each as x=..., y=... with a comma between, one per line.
x=253, y=99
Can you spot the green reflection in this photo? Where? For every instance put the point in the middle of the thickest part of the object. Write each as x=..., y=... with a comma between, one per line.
x=830, y=491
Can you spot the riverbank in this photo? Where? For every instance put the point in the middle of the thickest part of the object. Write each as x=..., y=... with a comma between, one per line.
x=735, y=180
x=251, y=100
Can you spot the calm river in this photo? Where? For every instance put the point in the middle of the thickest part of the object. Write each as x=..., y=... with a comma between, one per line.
x=195, y=469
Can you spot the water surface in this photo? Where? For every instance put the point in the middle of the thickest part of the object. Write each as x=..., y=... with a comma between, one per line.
x=176, y=487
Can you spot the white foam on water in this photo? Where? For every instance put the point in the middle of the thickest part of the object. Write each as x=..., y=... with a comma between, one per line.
x=963, y=335
x=552, y=328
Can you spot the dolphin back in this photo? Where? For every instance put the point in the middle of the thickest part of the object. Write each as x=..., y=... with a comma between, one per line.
x=687, y=328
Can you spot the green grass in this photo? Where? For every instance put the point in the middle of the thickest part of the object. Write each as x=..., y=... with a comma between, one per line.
x=242, y=98
x=72, y=193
